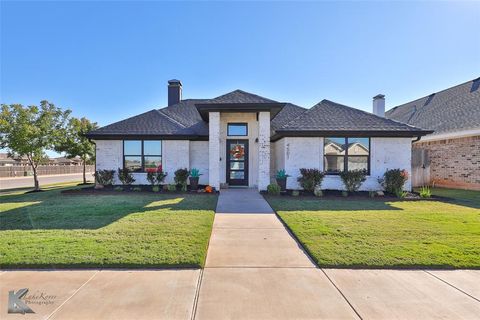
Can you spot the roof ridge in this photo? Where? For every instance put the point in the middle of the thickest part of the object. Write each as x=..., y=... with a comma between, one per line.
x=436, y=92
x=169, y=118
x=370, y=114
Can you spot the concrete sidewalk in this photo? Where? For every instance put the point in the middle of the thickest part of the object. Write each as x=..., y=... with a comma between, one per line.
x=254, y=270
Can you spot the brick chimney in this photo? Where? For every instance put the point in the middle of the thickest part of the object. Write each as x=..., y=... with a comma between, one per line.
x=174, y=91
x=379, y=105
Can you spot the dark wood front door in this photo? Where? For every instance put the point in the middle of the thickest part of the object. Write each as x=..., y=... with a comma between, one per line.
x=237, y=162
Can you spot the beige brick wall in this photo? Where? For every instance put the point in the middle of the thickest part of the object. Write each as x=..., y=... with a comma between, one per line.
x=454, y=162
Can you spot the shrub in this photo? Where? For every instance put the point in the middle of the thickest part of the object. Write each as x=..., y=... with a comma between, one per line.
x=172, y=187
x=105, y=177
x=401, y=194
x=160, y=177
x=281, y=174
x=295, y=193
x=118, y=188
x=353, y=179
x=125, y=176
x=152, y=177
x=273, y=189
x=393, y=180
x=137, y=189
x=155, y=188
x=344, y=193
x=310, y=179
x=318, y=192
x=181, y=176
x=425, y=192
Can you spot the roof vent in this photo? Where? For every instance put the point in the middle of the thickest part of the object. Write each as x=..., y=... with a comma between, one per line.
x=379, y=105
x=475, y=85
x=174, y=92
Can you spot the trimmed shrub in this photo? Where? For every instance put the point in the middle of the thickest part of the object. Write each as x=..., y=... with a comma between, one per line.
x=118, y=188
x=295, y=193
x=172, y=187
x=181, y=176
x=155, y=188
x=152, y=177
x=273, y=189
x=137, y=189
x=105, y=177
x=353, y=179
x=125, y=176
x=394, y=180
x=310, y=179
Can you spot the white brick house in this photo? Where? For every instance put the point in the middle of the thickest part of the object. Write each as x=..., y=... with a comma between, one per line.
x=242, y=139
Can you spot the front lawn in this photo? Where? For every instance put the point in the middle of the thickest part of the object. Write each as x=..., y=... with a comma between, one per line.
x=54, y=230
x=377, y=234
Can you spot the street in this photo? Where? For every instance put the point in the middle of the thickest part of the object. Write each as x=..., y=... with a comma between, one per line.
x=25, y=182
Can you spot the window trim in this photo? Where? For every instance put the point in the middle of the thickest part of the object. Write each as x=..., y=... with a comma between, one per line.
x=346, y=155
x=237, y=123
x=143, y=155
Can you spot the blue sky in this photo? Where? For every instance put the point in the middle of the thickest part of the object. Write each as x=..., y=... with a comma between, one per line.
x=111, y=60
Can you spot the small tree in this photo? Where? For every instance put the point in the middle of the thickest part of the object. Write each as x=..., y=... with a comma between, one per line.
x=310, y=178
x=74, y=143
x=30, y=131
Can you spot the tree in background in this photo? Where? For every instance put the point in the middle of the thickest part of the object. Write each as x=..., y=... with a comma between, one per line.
x=74, y=143
x=30, y=131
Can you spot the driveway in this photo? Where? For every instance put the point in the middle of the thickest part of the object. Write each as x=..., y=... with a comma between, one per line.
x=254, y=270
x=27, y=182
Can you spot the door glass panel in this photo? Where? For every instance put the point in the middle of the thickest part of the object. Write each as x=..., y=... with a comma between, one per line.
x=237, y=165
x=237, y=175
x=237, y=151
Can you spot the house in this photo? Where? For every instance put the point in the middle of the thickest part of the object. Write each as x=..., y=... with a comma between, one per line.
x=241, y=139
x=450, y=156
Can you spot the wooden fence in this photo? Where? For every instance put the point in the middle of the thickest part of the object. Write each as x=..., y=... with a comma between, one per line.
x=21, y=171
x=420, y=168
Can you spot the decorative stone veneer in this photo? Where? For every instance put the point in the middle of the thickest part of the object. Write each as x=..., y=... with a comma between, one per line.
x=263, y=150
x=454, y=162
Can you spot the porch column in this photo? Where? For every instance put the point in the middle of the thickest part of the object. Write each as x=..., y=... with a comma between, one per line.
x=263, y=150
x=214, y=149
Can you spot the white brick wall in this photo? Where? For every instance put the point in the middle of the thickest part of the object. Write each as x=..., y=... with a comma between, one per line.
x=109, y=155
x=199, y=159
x=214, y=149
x=175, y=155
x=263, y=150
x=386, y=153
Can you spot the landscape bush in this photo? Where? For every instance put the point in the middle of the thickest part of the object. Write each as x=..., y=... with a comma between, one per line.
x=125, y=176
x=105, y=177
x=273, y=189
x=394, y=180
x=310, y=178
x=353, y=179
x=181, y=176
x=425, y=192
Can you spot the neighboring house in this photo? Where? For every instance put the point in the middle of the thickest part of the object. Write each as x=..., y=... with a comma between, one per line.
x=449, y=157
x=8, y=161
x=64, y=161
x=241, y=139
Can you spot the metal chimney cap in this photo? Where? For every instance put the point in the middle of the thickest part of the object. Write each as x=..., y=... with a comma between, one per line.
x=379, y=96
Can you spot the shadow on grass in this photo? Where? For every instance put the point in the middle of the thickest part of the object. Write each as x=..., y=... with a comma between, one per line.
x=52, y=210
x=319, y=204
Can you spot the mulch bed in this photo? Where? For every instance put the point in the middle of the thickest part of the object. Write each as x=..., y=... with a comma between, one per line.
x=145, y=190
x=359, y=195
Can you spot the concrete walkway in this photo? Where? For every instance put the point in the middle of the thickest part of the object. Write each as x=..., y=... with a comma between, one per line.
x=254, y=270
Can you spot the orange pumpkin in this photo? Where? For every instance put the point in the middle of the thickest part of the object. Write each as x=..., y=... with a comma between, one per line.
x=208, y=189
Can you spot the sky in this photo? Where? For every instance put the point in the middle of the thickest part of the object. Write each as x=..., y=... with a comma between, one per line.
x=111, y=60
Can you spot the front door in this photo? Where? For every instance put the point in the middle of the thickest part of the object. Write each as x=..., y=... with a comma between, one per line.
x=237, y=162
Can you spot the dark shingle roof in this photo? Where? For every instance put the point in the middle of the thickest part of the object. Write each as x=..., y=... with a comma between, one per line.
x=328, y=116
x=239, y=96
x=183, y=120
x=450, y=110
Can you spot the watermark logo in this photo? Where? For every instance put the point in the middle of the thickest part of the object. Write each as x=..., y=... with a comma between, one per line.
x=15, y=304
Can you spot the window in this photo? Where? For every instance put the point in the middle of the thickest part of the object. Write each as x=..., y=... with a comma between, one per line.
x=237, y=129
x=142, y=155
x=342, y=154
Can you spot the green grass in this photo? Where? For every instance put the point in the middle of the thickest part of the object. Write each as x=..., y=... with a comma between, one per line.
x=465, y=197
x=376, y=234
x=53, y=230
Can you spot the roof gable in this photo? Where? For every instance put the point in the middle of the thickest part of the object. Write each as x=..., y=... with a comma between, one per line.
x=239, y=96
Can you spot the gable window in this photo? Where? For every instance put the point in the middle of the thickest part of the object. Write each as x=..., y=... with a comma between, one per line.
x=142, y=155
x=346, y=154
x=237, y=129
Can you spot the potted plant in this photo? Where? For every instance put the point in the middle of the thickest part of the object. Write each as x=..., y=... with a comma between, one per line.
x=194, y=177
x=281, y=178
